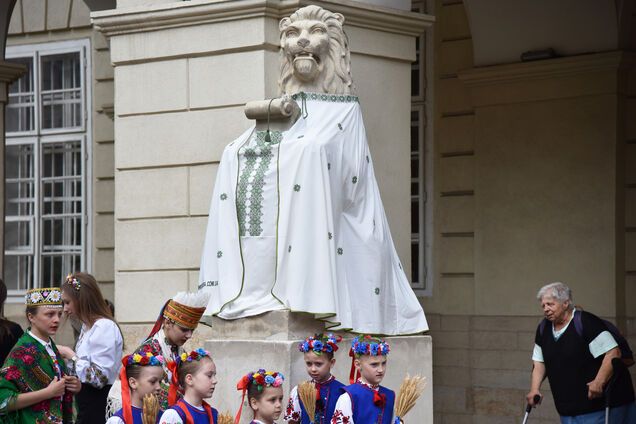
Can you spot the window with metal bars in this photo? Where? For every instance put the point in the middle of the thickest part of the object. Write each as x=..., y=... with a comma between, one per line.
x=46, y=154
x=422, y=159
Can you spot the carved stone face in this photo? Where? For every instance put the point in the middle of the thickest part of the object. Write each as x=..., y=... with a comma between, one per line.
x=315, y=52
x=307, y=45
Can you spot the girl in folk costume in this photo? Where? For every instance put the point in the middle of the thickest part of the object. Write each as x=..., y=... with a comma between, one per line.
x=318, y=352
x=264, y=391
x=98, y=352
x=34, y=384
x=140, y=375
x=195, y=375
x=177, y=320
x=365, y=401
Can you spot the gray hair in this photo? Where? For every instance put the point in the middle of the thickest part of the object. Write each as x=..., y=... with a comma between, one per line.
x=558, y=291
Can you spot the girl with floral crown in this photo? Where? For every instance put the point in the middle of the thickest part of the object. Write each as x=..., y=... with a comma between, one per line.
x=365, y=401
x=34, y=384
x=194, y=374
x=140, y=375
x=318, y=351
x=264, y=391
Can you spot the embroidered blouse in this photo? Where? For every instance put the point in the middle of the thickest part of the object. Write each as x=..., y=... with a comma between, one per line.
x=99, y=351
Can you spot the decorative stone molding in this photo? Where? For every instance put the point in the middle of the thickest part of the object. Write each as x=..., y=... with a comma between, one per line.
x=547, y=79
x=173, y=15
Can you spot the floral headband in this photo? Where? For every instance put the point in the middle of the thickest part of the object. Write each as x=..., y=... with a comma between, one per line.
x=261, y=379
x=367, y=345
x=195, y=355
x=143, y=359
x=319, y=343
x=50, y=296
x=73, y=282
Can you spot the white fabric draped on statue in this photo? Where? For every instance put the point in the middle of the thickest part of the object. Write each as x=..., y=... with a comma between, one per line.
x=296, y=222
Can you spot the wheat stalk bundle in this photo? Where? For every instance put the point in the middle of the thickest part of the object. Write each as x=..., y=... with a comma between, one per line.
x=410, y=389
x=150, y=409
x=225, y=418
x=307, y=394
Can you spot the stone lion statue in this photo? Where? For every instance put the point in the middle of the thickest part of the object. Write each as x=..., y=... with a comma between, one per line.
x=315, y=53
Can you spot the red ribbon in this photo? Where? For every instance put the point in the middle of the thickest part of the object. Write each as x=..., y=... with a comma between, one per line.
x=379, y=399
x=159, y=322
x=353, y=373
x=125, y=392
x=242, y=385
x=173, y=391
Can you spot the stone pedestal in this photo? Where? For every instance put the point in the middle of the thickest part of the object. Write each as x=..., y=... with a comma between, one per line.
x=270, y=341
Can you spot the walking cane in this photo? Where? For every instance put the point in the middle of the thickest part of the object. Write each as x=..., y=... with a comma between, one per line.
x=535, y=400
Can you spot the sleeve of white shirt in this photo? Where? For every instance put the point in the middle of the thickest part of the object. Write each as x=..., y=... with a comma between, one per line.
x=602, y=344
x=99, y=356
x=115, y=420
x=343, y=413
x=293, y=411
x=170, y=417
x=537, y=353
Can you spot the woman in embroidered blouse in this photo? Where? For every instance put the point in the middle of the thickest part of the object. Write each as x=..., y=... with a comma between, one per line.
x=99, y=348
x=34, y=384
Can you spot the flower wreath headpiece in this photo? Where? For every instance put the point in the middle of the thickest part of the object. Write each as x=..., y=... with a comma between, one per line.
x=319, y=343
x=141, y=358
x=195, y=355
x=73, y=282
x=261, y=379
x=365, y=345
x=144, y=358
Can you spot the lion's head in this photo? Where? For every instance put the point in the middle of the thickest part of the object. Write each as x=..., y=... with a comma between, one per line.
x=315, y=53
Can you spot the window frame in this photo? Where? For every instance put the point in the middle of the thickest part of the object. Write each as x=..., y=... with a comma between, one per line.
x=39, y=137
x=422, y=102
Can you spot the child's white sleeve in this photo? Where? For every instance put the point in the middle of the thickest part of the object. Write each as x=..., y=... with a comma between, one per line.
x=343, y=413
x=170, y=417
x=293, y=411
x=115, y=420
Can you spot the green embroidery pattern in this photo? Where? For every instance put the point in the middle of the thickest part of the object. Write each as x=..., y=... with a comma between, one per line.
x=340, y=251
x=219, y=254
x=337, y=98
x=354, y=179
x=296, y=187
x=223, y=196
x=377, y=290
x=249, y=198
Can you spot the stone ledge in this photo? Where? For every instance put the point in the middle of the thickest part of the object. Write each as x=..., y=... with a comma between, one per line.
x=143, y=19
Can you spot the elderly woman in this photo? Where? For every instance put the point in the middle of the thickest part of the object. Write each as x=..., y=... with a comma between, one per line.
x=574, y=349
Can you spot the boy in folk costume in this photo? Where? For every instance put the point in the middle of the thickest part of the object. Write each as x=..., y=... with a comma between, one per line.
x=318, y=352
x=177, y=321
x=365, y=401
x=34, y=384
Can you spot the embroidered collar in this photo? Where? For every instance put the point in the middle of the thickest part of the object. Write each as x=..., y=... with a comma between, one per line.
x=327, y=381
x=370, y=386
